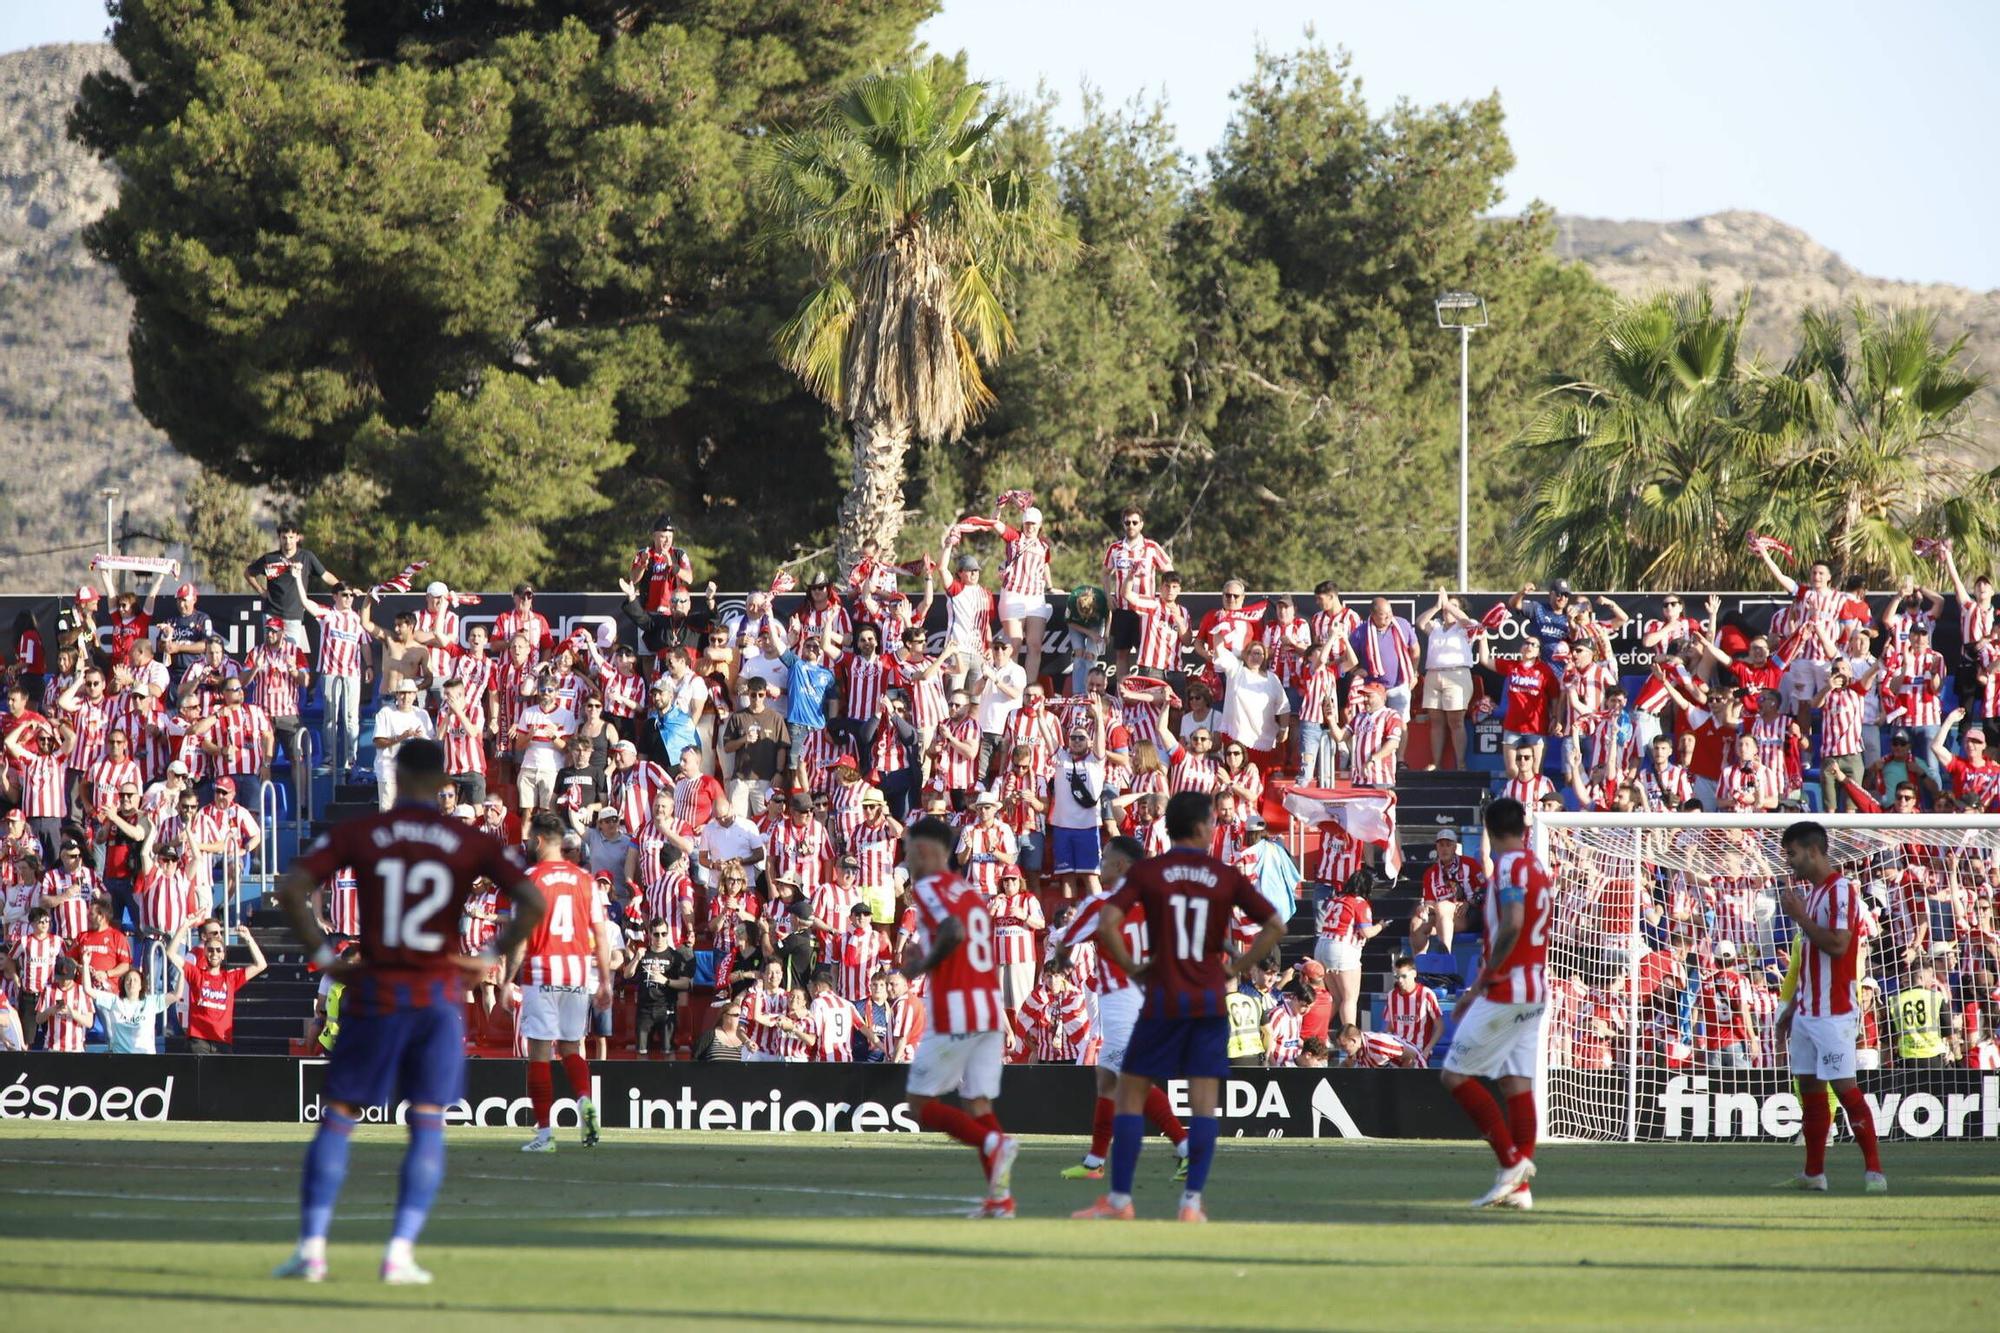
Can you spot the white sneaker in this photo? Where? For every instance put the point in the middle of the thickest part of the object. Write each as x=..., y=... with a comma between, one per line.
x=1000, y=1171
x=1505, y=1181
x=404, y=1273
x=1874, y=1182
x=543, y=1142
x=301, y=1268
x=1802, y=1181
x=1522, y=1198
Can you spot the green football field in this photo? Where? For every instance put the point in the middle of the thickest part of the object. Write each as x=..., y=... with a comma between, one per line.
x=175, y=1226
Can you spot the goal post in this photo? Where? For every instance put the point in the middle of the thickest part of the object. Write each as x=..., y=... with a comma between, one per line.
x=1667, y=945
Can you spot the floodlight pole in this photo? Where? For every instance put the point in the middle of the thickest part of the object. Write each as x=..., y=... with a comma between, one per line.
x=1464, y=454
x=110, y=496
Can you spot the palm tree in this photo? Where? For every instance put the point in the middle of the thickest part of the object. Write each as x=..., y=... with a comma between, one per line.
x=916, y=230
x=1645, y=470
x=1872, y=447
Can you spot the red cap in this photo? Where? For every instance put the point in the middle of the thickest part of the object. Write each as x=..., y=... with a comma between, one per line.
x=274, y=622
x=86, y=593
x=186, y=590
x=226, y=784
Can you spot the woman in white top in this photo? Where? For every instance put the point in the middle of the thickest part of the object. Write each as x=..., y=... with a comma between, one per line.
x=1256, y=712
x=1447, y=676
x=131, y=1013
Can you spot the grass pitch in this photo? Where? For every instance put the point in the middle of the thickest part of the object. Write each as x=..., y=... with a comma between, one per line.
x=175, y=1226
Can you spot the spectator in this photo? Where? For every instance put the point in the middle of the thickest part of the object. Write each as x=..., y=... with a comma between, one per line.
x=581, y=791
x=661, y=973
x=405, y=660
x=1451, y=881
x=1346, y=924
x=1256, y=712
x=1385, y=648
x=1268, y=866
x=123, y=831
x=1315, y=1006
x=31, y=966
x=184, y=637
x=1448, y=659
x=282, y=576
x=1532, y=708
x=1412, y=1012
x=608, y=849
x=131, y=1008
x=1376, y=1050
x=345, y=671
x=541, y=735
x=1548, y=622
x=101, y=948
x=66, y=1013
x=724, y=1041
x=1917, y=680
x=212, y=988
x=754, y=738
x=1841, y=708
x=1075, y=822
x=278, y=675
x=659, y=569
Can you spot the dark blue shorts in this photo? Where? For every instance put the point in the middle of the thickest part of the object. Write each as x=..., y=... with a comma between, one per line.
x=413, y=1055
x=1077, y=850
x=1163, y=1048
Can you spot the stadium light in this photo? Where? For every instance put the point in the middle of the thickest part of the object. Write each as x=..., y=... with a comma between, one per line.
x=1464, y=311
x=110, y=496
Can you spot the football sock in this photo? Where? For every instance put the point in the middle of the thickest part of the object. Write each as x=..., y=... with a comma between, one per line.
x=991, y=1120
x=1128, y=1136
x=1100, y=1132
x=1201, y=1134
x=1818, y=1120
x=1160, y=1111
x=541, y=1091
x=943, y=1119
x=325, y=1172
x=578, y=1071
x=1484, y=1113
x=423, y=1172
x=1521, y=1122
x=1862, y=1121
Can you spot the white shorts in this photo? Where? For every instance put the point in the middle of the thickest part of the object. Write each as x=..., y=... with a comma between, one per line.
x=1337, y=955
x=536, y=787
x=1496, y=1040
x=555, y=1013
x=1803, y=679
x=967, y=1063
x=1023, y=606
x=1823, y=1047
x=1116, y=1015
x=1449, y=688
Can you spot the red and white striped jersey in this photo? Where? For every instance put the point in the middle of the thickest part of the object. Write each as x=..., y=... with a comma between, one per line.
x=1584, y=689
x=1413, y=1015
x=984, y=851
x=166, y=899
x=1017, y=920
x=1666, y=787
x=1374, y=755
x=1338, y=857
x=1528, y=791
x=1037, y=729
x=1025, y=567
x=73, y=1015
x=801, y=850
x=832, y=1025
x=1383, y=1050
x=624, y=692
x=1346, y=916
x=340, y=643
x=1015, y=811
x=464, y=741
x=864, y=679
x=1319, y=695
x=1453, y=880
x=1335, y=627
x=758, y=1004
x=243, y=731
x=968, y=611
x=670, y=897
x=343, y=900
x=1188, y=771
x=906, y=1027
x=888, y=754
x=479, y=924
x=35, y=958
x=634, y=789
x=829, y=620
x=90, y=720
x=444, y=624
x=928, y=708
x=1822, y=605
x=963, y=993
x=1520, y=977
x=1080, y=933
x=44, y=794
x=833, y=903
x=509, y=679
x=531, y=623
x=875, y=846
x=954, y=771
x=232, y=826
x=274, y=678
x=1919, y=694
x=1285, y=644
x=1163, y=628
x=560, y=949
x=1975, y=620
x=106, y=775
x=136, y=718
x=1826, y=983
x=1755, y=785
x=71, y=915
x=1056, y=1025
x=1132, y=566
x=858, y=953
x=1287, y=1038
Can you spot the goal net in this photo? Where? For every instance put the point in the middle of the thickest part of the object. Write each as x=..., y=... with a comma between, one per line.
x=1667, y=948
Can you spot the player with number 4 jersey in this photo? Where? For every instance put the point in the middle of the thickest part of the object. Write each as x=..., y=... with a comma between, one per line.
x=1183, y=1027
x=553, y=968
x=402, y=1034
x=1500, y=1024
x=964, y=1039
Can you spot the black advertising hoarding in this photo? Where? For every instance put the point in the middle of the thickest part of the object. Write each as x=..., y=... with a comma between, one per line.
x=1677, y=1107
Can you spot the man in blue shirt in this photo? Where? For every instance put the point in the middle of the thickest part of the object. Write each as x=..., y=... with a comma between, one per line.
x=1547, y=621
x=811, y=679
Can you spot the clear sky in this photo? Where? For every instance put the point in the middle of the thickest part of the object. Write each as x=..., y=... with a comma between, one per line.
x=1872, y=127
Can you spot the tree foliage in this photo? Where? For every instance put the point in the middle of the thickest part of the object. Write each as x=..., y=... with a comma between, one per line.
x=1667, y=447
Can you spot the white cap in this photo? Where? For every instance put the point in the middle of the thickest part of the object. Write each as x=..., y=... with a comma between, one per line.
x=437, y=589
x=1446, y=833
x=1031, y=515
x=178, y=767
x=1725, y=949
x=986, y=798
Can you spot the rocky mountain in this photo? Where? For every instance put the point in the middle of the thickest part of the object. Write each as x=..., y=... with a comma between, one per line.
x=68, y=427
x=1787, y=271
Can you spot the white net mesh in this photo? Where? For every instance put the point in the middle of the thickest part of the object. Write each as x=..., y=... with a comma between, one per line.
x=1668, y=946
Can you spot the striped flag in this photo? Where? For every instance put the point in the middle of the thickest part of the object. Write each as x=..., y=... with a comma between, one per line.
x=402, y=581
x=1367, y=813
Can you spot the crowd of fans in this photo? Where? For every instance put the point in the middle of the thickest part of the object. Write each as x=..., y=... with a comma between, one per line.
x=738, y=779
